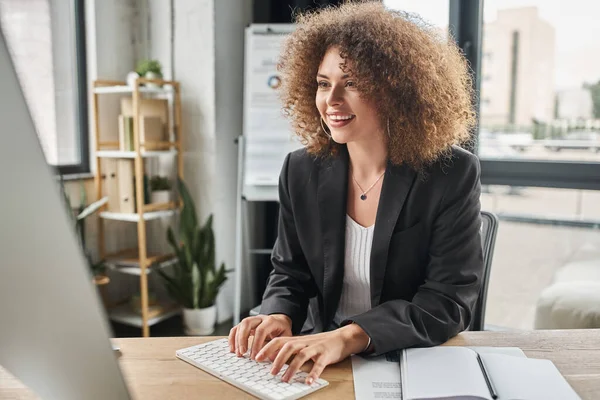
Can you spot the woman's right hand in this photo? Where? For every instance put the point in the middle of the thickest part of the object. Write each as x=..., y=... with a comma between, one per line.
x=263, y=327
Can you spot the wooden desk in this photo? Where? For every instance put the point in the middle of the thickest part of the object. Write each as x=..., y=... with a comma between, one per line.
x=153, y=372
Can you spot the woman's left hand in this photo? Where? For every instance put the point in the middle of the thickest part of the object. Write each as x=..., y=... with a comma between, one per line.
x=323, y=348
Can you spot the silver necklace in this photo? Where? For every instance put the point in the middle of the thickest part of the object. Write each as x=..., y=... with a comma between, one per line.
x=363, y=196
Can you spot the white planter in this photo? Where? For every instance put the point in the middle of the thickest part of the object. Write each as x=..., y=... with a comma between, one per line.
x=152, y=75
x=131, y=77
x=160, y=196
x=200, y=321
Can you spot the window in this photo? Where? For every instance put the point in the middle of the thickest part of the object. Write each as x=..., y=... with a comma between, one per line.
x=541, y=95
x=434, y=12
x=541, y=126
x=543, y=234
x=47, y=45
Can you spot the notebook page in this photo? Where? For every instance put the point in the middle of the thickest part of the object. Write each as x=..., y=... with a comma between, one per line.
x=443, y=373
x=527, y=378
x=509, y=351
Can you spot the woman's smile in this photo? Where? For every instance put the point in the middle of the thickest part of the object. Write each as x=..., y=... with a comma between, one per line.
x=339, y=120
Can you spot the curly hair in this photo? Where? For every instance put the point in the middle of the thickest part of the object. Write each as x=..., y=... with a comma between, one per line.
x=417, y=79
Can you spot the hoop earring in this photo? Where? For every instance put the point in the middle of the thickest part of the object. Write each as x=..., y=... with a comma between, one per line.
x=323, y=127
x=388, y=128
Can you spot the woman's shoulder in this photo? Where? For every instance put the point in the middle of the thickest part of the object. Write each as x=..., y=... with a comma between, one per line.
x=458, y=162
x=300, y=155
x=458, y=169
x=464, y=158
x=301, y=161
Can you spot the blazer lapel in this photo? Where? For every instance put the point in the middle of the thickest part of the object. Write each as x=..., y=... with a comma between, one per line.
x=332, y=194
x=396, y=185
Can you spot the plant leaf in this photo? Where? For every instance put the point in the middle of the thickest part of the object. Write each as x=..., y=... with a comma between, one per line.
x=196, y=284
x=189, y=219
x=173, y=288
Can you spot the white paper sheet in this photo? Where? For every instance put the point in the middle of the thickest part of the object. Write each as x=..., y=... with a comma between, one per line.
x=376, y=377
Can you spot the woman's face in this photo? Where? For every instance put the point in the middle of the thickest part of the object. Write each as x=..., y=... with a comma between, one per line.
x=349, y=117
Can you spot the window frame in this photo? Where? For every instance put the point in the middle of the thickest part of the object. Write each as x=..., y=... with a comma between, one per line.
x=466, y=26
x=82, y=115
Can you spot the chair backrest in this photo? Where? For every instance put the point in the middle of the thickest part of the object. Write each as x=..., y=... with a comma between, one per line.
x=489, y=228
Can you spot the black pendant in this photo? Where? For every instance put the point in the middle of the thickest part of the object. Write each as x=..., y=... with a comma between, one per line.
x=363, y=196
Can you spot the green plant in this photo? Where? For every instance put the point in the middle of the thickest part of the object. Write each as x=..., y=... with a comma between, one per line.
x=159, y=183
x=145, y=66
x=196, y=281
x=98, y=267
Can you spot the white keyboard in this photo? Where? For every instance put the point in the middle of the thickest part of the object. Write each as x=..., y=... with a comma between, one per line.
x=249, y=375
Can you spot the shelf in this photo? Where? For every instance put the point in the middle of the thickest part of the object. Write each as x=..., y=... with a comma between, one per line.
x=159, y=206
x=132, y=154
x=125, y=315
x=136, y=217
x=146, y=148
x=128, y=89
x=127, y=262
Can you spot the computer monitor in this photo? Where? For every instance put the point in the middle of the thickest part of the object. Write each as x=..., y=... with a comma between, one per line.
x=54, y=334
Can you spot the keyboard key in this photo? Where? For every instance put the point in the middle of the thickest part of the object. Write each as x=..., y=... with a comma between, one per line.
x=301, y=386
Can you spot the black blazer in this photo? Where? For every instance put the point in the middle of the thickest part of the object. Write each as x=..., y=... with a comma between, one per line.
x=426, y=255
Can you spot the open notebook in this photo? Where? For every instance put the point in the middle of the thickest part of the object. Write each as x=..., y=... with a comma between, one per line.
x=461, y=373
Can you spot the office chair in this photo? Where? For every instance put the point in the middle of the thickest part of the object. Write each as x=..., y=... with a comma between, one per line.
x=489, y=228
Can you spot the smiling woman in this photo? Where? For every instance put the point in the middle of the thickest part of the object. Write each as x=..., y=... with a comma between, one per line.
x=378, y=243
x=409, y=71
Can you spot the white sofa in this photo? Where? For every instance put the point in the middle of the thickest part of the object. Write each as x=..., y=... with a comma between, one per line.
x=573, y=300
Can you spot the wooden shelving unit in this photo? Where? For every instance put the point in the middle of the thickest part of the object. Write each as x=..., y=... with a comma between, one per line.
x=138, y=261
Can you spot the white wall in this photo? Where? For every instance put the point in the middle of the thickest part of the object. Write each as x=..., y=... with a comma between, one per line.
x=209, y=63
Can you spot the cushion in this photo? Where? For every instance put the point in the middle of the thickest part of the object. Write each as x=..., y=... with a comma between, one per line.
x=579, y=271
x=569, y=305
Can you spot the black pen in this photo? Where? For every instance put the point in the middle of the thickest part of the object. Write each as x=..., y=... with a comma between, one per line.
x=488, y=379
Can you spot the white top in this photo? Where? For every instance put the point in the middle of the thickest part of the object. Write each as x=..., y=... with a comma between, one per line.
x=356, y=289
